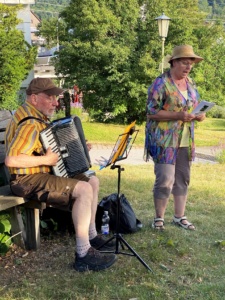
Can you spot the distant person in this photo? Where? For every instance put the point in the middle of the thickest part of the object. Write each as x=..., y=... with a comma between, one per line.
x=32, y=177
x=76, y=94
x=170, y=134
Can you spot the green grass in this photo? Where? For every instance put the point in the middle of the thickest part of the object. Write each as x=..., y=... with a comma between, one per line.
x=187, y=265
x=211, y=132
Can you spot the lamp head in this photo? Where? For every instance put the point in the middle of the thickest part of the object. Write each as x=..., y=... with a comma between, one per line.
x=163, y=24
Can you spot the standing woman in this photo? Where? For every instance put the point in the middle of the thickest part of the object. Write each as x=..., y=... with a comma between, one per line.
x=170, y=134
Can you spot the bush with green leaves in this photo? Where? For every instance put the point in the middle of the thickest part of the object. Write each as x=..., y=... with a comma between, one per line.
x=5, y=238
x=216, y=112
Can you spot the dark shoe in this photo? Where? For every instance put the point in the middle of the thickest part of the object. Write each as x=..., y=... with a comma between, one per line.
x=94, y=261
x=100, y=240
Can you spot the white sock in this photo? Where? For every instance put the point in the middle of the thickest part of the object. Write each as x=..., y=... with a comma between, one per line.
x=82, y=246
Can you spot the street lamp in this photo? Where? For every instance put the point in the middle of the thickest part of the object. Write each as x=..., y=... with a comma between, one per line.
x=163, y=24
x=57, y=32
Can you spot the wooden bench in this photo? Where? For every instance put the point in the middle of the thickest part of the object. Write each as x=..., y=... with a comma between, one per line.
x=26, y=233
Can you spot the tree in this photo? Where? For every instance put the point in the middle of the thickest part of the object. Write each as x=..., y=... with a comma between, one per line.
x=112, y=51
x=17, y=57
x=204, y=6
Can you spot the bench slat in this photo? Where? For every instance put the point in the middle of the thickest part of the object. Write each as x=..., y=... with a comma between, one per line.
x=7, y=200
x=10, y=202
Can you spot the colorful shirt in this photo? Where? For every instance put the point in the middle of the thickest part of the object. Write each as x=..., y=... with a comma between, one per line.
x=24, y=139
x=162, y=138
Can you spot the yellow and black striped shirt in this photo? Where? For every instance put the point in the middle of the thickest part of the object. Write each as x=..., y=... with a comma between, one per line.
x=24, y=139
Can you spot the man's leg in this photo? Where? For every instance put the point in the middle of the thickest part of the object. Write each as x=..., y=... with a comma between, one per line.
x=81, y=215
x=94, y=182
x=87, y=258
x=59, y=192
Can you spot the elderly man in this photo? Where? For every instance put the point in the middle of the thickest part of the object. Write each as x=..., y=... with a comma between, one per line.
x=32, y=177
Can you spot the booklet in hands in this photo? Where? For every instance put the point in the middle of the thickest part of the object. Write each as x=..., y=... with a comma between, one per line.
x=202, y=107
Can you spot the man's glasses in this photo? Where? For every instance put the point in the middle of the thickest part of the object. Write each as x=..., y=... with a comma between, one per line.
x=47, y=97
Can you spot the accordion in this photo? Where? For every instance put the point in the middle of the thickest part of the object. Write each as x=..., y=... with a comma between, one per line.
x=66, y=137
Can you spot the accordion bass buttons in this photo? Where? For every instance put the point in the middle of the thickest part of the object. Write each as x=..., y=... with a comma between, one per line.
x=64, y=151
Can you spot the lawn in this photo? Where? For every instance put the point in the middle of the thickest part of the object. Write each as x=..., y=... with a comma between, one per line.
x=185, y=264
x=211, y=132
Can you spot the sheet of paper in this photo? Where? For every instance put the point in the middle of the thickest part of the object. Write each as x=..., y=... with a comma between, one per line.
x=202, y=107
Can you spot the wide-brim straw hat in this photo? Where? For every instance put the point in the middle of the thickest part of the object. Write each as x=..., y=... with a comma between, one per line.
x=184, y=51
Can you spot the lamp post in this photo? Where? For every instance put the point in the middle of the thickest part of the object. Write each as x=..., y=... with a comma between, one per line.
x=163, y=24
x=57, y=32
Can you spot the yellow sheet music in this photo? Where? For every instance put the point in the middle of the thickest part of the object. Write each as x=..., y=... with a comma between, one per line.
x=122, y=142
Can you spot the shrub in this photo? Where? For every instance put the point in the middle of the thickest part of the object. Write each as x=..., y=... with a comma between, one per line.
x=216, y=112
x=5, y=239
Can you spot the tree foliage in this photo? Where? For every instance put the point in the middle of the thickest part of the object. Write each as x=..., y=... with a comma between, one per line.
x=112, y=51
x=17, y=57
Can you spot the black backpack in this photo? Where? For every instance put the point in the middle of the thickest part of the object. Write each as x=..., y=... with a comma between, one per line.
x=128, y=221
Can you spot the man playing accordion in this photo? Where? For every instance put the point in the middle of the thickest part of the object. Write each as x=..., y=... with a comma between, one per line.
x=31, y=175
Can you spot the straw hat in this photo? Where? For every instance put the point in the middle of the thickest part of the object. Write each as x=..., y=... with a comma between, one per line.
x=185, y=51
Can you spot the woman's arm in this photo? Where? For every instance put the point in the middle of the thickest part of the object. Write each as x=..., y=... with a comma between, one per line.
x=164, y=115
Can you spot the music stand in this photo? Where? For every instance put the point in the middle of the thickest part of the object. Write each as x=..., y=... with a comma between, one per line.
x=120, y=151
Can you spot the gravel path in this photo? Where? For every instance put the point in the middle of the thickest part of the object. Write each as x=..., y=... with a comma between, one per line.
x=135, y=157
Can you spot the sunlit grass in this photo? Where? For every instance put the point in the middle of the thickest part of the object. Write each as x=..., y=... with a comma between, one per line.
x=186, y=265
x=210, y=132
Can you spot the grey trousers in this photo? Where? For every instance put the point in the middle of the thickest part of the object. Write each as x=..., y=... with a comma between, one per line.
x=173, y=179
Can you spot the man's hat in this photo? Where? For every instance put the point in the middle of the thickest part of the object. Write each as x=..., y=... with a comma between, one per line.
x=185, y=51
x=43, y=85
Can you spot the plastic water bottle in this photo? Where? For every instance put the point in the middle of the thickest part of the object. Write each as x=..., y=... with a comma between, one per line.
x=105, y=223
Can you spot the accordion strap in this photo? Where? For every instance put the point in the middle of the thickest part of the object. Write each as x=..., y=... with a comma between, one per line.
x=30, y=117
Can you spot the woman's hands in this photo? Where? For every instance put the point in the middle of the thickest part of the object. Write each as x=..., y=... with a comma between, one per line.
x=187, y=117
x=200, y=117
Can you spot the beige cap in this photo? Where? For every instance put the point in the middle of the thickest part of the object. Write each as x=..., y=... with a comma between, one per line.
x=43, y=85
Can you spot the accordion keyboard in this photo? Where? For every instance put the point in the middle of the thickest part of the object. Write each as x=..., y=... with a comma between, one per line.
x=49, y=141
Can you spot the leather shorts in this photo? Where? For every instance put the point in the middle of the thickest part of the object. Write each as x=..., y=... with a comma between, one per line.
x=53, y=190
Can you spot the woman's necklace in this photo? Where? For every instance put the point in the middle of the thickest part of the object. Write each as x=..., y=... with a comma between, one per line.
x=180, y=83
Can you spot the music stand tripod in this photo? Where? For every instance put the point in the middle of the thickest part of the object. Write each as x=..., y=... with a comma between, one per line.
x=122, y=150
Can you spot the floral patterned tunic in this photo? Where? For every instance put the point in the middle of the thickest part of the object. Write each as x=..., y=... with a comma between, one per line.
x=163, y=138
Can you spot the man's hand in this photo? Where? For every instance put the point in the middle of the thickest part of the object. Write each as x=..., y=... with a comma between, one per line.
x=52, y=157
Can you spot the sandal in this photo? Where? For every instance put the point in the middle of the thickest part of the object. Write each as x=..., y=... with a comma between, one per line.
x=179, y=222
x=158, y=227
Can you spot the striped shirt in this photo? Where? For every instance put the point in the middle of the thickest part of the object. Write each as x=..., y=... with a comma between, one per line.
x=24, y=139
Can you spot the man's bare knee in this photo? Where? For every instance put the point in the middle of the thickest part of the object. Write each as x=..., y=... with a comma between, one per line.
x=83, y=190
